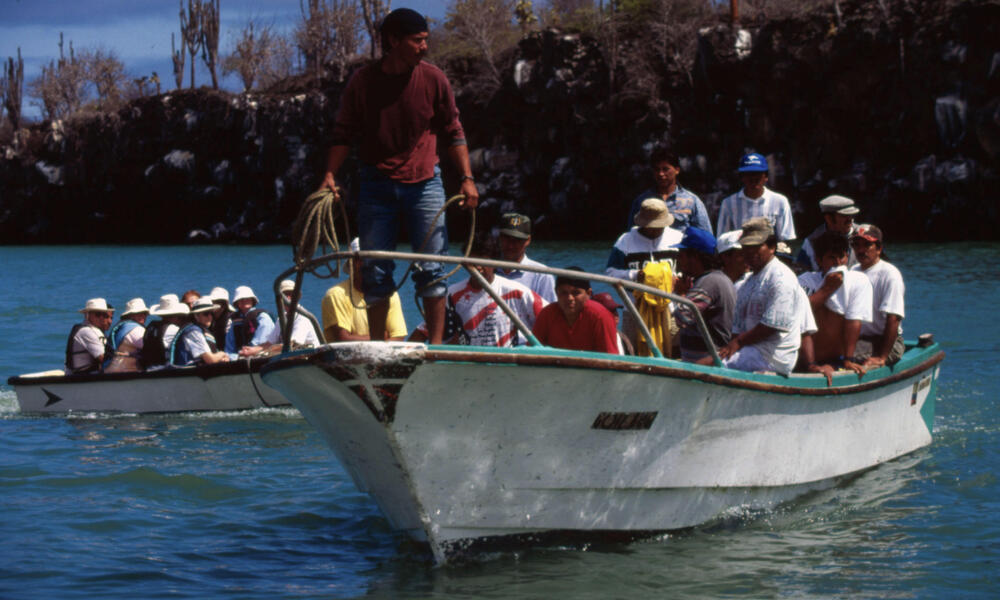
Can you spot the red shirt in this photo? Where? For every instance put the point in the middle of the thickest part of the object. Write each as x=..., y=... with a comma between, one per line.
x=594, y=329
x=396, y=119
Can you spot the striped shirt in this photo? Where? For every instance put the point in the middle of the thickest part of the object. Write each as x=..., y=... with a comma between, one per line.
x=738, y=209
x=483, y=321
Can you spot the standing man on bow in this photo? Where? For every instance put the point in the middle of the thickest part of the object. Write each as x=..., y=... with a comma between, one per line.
x=394, y=110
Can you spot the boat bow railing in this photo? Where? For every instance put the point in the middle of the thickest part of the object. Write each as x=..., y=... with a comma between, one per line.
x=621, y=286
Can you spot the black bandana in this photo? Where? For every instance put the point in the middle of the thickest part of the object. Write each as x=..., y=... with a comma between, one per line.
x=402, y=22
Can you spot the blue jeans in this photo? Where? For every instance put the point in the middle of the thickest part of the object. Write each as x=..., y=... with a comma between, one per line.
x=381, y=203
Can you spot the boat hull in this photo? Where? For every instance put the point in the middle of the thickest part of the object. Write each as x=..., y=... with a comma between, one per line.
x=458, y=447
x=227, y=386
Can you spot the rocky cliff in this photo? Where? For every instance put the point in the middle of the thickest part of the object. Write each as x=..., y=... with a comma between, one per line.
x=898, y=108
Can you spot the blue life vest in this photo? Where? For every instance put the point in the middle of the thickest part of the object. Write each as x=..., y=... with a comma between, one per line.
x=118, y=333
x=178, y=352
x=244, y=327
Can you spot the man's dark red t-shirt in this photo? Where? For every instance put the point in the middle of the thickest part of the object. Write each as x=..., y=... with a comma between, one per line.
x=395, y=119
x=594, y=329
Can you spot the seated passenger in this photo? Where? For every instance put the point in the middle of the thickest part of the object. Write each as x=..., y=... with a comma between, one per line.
x=483, y=323
x=173, y=314
x=607, y=301
x=125, y=339
x=651, y=240
x=881, y=341
x=575, y=321
x=515, y=237
x=710, y=290
x=731, y=256
x=838, y=215
x=303, y=333
x=250, y=325
x=767, y=319
x=223, y=312
x=345, y=313
x=193, y=344
x=85, y=346
x=841, y=301
x=189, y=297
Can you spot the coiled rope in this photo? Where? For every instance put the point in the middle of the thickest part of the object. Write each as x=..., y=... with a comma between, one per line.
x=315, y=228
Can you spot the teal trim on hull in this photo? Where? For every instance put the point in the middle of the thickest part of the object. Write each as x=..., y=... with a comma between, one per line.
x=913, y=356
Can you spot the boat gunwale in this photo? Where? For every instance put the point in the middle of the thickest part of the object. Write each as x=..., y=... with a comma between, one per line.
x=240, y=367
x=926, y=359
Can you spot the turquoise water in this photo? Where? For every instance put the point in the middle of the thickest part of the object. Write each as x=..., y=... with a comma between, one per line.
x=253, y=505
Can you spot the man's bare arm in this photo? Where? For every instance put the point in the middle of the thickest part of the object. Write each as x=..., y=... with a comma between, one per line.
x=334, y=159
x=459, y=154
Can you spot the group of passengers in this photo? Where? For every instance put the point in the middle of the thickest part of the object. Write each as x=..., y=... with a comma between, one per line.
x=187, y=332
x=838, y=305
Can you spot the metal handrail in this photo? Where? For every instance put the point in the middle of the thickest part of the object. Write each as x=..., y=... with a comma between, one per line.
x=620, y=286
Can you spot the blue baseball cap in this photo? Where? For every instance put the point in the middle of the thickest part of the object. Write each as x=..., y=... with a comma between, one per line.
x=698, y=239
x=753, y=163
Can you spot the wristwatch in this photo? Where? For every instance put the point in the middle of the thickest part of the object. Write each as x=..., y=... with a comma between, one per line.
x=469, y=177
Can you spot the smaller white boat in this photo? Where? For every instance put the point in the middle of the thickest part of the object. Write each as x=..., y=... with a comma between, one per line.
x=224, y=386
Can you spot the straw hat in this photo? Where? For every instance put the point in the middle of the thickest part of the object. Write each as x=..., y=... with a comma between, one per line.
x=242, y=293
x=97, y=305
x=169, y=304
x=653, y=213
x=135, y=306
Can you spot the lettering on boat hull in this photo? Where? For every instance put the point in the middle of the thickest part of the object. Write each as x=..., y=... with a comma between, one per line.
x=624, y=420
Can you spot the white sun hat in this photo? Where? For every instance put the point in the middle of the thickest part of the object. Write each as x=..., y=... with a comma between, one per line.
x=135, y=306
x=242, y=293
x=203, y=304
x=219, y=293
x=97, y=305
x=169, y=304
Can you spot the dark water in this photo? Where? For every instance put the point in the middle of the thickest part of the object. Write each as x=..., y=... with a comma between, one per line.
x=253, y=505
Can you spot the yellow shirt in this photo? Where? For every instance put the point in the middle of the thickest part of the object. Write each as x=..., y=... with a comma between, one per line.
x=345, y=309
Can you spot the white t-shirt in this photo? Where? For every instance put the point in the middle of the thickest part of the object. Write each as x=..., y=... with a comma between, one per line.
x=887, y=296
x=87, y=347
x=853, y=299
x=168, y=337
x=542, y=284
x=807, y=322
x=770, y=297
x=303, y=333
x=134, y=337
x=484, y=322
x=737, y=209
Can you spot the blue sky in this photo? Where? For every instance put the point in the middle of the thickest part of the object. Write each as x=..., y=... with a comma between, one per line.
x=138, y=31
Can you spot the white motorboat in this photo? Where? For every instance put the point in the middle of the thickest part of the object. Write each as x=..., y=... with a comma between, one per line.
x=463, y=447
x=224, y=386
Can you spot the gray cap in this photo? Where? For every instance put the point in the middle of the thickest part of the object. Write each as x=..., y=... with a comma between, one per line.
x=841, y=205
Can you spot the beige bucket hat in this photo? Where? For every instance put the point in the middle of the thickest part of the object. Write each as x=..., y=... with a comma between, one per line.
x=653, y=213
